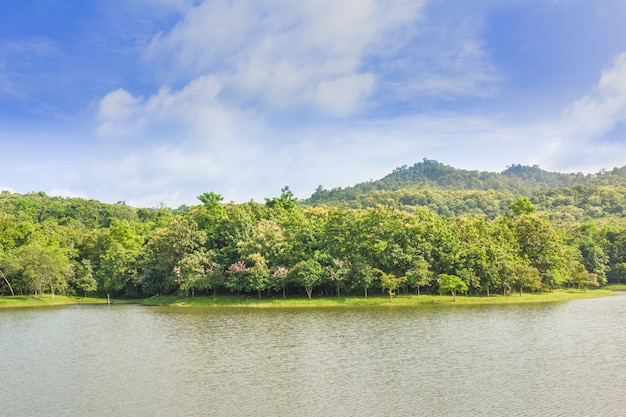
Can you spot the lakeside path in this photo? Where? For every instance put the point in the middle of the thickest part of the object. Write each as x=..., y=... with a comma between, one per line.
x=319, y=302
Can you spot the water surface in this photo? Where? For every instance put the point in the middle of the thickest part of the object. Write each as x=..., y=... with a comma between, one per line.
x=520, y=360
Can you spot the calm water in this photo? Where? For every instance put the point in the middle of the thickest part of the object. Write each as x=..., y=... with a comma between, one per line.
x=553, y=360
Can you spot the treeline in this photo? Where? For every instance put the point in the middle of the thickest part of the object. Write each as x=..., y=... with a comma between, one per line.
x=280, y=248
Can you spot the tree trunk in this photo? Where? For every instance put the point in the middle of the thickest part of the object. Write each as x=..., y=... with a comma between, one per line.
x=365, y=292
x=8, y=283
x=284, y=296
x=309, y=290
x=454, y=295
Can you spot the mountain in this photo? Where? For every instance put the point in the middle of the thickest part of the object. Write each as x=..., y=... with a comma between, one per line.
x=452, y=191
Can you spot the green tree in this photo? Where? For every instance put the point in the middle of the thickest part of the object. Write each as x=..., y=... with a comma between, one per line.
x=286, y=201
x=258, y=273
x=44, y=266
x=390, y=281
x=419, y=275
x=193, y=272
x=121, y=249
x=522, y=206
x=85, y=280
x=308, y=274
x=451, y=284
x=172, y=249
x=364, y=276
x=541, y=245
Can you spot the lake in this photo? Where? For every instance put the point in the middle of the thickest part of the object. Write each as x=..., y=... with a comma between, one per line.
x=564, y=359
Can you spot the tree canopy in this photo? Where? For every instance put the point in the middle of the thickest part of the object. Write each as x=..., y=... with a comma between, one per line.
x=490, y=238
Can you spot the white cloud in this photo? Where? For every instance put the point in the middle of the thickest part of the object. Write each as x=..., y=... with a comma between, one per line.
x=342, y=95
x=241, y=70
x=282, y=54
x=605, y=107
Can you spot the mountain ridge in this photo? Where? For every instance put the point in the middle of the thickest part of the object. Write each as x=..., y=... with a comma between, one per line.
x=452, y=191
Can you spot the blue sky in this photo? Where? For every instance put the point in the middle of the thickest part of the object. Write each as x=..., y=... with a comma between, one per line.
x=157, y=101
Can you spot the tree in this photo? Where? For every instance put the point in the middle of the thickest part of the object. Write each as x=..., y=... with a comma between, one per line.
x=279, y=278
x=258, y=273
x=7, y=282
x=522, y=206
x=524, y=276
x=390, y=281
x=307, y=274
x=267, y=239
x=541, y=246
x=172, y=249
x=583, y=278
x=193, y=271
x=45, y=266
x=286, y=201
x=337, y=272
x=85, y=280
x=451, y=283
x=419, y=275
x=364, y=276
x=237, y=276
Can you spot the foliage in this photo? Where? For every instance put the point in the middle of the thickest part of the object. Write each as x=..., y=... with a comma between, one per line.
x=451, y=284
x=518, y=231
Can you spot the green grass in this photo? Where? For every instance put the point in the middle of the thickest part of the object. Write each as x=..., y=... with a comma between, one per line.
x=46, y=300
x=400, y=300
x=317, y=302
x=616, y=287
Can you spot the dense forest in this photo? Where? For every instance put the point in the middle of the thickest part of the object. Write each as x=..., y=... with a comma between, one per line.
x=452, y=192
x=429, y=228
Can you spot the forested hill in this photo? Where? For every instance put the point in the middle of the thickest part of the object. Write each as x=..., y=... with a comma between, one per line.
x=431, y=174
x=451, y=191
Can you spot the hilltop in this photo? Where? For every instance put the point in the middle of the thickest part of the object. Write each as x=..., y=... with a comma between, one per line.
x=452, y=191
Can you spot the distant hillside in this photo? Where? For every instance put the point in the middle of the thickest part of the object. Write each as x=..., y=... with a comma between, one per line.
x=451, y=191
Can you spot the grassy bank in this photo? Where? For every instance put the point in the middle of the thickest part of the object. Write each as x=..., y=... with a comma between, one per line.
x=372, y=301
x=46, y=300
x=400, y=300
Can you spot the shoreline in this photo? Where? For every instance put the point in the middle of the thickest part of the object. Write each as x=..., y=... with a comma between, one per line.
x=402, y=300
x=373, y=301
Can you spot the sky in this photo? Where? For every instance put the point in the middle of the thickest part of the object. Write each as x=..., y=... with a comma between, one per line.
x=154, y=102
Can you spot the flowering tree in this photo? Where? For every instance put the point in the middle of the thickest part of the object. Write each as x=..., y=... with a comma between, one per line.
x=236, y=276
x=279, y=278
x=581, y=277
x=337, y=272
x=258, y=273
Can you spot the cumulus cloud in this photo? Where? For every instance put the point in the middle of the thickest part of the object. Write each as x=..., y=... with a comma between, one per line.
x=279, y=53
x=264, y=94
x=605, y=107
x=580, y=137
